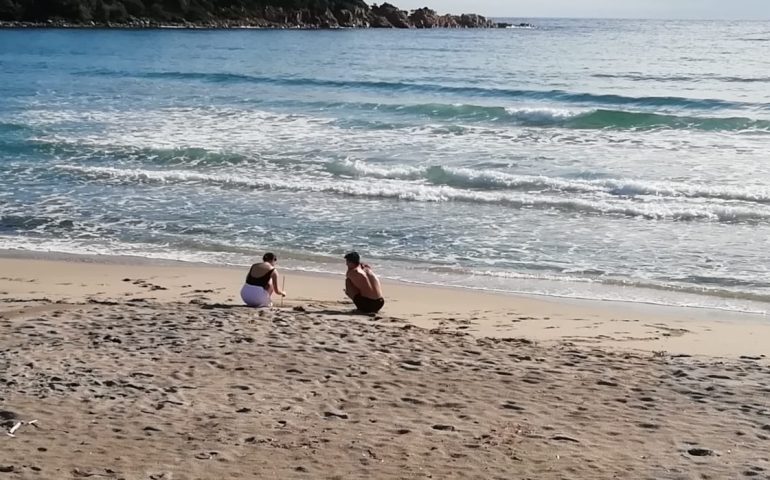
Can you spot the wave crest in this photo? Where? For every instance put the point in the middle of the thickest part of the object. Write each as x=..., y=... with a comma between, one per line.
x=596, y=119
x=559, y=95
x=434, y=193
x=496, y=180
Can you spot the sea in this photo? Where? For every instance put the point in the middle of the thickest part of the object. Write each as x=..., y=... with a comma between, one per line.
x=601, y=159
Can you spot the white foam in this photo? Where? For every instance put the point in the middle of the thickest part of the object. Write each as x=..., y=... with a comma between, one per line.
x=437, y=193
x=544, y=115
x=358, y=168
x=474, y=178
x=263, y=134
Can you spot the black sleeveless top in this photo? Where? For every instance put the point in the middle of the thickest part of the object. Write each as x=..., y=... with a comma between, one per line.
x=259, y=281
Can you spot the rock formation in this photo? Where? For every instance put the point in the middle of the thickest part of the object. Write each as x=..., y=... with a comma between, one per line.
x=227, y=13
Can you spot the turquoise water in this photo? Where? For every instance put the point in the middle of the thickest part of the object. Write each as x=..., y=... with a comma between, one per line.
x=583, y=158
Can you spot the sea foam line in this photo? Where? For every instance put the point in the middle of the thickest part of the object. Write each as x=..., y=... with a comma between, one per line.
x=432, y=193
x=489, y=179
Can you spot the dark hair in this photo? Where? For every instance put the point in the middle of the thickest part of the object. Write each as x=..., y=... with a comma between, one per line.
x=269, y=257
x=353, y=257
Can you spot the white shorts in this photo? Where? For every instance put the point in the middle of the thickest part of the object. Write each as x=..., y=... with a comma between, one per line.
x=255, y=296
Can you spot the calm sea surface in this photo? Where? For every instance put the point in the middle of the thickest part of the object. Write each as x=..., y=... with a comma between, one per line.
x=585, y=158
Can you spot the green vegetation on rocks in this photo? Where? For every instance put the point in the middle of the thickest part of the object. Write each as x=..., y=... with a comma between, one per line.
x=227, y=13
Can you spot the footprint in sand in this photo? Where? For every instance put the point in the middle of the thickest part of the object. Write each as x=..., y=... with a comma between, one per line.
x=700, y=452
x=335, y=414
x=444, y=428
x=512, y=406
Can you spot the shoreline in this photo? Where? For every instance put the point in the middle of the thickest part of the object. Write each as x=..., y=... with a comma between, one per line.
x=624, y=326
x=144, y=371
x=708, y=310
x=132, y=260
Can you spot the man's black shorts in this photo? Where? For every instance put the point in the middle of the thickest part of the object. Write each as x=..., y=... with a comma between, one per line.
x=368, y=305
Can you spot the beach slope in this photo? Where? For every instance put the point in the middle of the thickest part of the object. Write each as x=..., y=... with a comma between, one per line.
x=152, y=371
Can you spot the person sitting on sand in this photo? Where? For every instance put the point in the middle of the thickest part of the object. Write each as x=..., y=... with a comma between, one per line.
x=261, y=282
x=362, y=285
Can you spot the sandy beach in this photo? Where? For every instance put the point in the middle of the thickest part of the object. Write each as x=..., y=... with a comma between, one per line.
x=118, y=368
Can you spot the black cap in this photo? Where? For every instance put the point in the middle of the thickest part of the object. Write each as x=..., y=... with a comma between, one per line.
x=353, y=257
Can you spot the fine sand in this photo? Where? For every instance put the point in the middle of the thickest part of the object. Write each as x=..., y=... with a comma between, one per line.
x=136, y=370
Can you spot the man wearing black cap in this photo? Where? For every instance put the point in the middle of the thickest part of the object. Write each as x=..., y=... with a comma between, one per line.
x=362, y=285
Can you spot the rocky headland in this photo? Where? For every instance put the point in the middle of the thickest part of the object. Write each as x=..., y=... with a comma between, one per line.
x=309, y=14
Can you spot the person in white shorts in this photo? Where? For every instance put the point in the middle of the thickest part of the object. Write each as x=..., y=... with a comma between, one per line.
x=261, y=283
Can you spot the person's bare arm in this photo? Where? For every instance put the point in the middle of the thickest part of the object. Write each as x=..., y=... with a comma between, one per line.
x=350, y=290
x=277, y=287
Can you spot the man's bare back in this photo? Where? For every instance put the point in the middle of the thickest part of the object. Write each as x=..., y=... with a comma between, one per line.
x=365, y=282
x=362, y=285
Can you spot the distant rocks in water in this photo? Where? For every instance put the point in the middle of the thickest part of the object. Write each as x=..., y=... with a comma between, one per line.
x=514, y=25
x=427, y=18
x=309, y=14
x=389, y=16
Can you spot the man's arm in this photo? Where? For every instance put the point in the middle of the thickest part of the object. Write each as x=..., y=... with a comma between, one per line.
x=350, y=289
